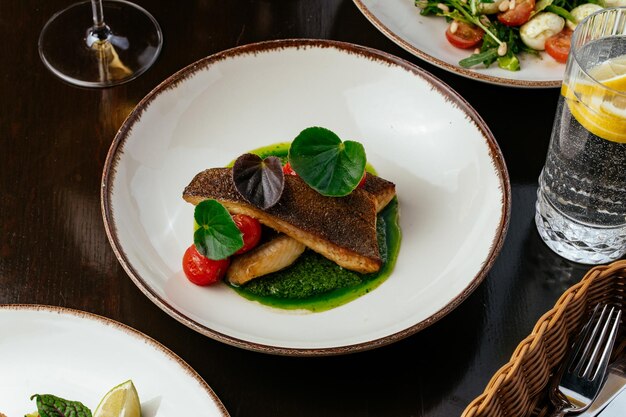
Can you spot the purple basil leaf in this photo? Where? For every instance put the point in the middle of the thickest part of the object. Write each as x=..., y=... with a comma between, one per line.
x=259, y=181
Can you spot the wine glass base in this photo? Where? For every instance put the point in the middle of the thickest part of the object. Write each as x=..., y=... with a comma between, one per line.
x=70, y=50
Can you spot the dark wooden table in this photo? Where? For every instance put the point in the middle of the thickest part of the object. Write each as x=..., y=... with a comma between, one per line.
x=53, y=249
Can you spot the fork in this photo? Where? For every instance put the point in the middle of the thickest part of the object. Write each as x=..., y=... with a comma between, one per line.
x=583, y=372
x=615, y=383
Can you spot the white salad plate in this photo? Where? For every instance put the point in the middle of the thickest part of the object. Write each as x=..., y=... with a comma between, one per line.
x=79, y=356
x=452, y=186
x=424, y=37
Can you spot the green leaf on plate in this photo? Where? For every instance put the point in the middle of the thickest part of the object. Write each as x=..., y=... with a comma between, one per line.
x=540, y=5
x=328, y=165
x=509, y=62
x=53, y=406
x=217, y=236
x=561, y=12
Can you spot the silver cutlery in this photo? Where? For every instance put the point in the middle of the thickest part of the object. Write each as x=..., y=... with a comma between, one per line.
x=582, y=374
x=616, y=407
x=614, y=385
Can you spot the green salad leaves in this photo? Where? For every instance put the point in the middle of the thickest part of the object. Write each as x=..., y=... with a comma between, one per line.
x=496, y=36
x=501, y=43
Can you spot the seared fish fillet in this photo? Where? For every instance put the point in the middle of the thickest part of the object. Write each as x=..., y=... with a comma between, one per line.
x=381, y=190
x=283, y=250
x=343, y=229
x=271, y=256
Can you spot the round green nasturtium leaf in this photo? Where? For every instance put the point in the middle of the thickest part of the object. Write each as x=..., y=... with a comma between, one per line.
x=217, y=236
x=328, y=165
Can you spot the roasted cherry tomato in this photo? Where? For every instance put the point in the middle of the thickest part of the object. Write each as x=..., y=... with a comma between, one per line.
x=287, y=170
x=557, y=46
x=250, y=228
x=201, y=270
x=362, y=182
x=465, y=36
x=519, y=15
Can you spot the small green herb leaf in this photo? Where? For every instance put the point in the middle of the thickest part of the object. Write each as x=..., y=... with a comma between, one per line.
x=217, y=236
x=540, y=5
x=328, y=165
x=561, y=12
x=259, y=181
x=52, y=406
x=509, y=62
x=485, y=57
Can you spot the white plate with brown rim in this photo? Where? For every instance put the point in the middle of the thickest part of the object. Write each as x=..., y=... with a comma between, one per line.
x=79, y=356
x=424, y=37
x=452, y=185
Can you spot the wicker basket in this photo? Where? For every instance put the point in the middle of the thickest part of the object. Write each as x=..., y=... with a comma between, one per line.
x=518, y=389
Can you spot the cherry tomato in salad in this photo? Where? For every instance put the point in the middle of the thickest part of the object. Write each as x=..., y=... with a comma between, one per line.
x=557, y=46
x=519, y=15
x=201, y=270
x=465, y=36
x=288, y=170
x=250, y=228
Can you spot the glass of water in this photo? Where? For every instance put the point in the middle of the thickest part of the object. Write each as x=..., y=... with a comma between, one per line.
x=581, y=200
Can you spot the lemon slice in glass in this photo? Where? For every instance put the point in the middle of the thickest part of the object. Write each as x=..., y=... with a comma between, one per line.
x=121, y=401
x=615, y=109
x=617, y=82
x=611, y=73
x=597, y=109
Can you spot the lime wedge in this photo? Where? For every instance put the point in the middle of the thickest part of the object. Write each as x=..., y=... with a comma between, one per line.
x=121, y=401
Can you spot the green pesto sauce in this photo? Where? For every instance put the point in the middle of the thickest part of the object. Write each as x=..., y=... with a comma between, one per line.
x=315, y=283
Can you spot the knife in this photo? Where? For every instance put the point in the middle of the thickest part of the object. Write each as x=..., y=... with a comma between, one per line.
x=616, y=408
x=614, y=385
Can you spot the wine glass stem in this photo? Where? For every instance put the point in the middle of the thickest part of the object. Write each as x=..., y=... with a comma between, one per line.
x=99, y=31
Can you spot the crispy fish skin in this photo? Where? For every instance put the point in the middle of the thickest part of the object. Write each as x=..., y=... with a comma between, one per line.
x=283, y=250
x=380, y=189
x=271, y=256
x=343, y=229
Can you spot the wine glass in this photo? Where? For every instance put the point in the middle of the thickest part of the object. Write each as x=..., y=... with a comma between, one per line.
x=102, y=54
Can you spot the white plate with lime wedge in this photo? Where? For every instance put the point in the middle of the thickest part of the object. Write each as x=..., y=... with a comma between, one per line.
x=79, y=356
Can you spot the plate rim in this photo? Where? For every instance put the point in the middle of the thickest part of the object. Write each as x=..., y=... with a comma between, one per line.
x=464, y=72
x=108, y=178
x=127, y=330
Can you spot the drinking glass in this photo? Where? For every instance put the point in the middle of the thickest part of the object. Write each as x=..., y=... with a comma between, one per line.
x=102, y=54
x=581, y=199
